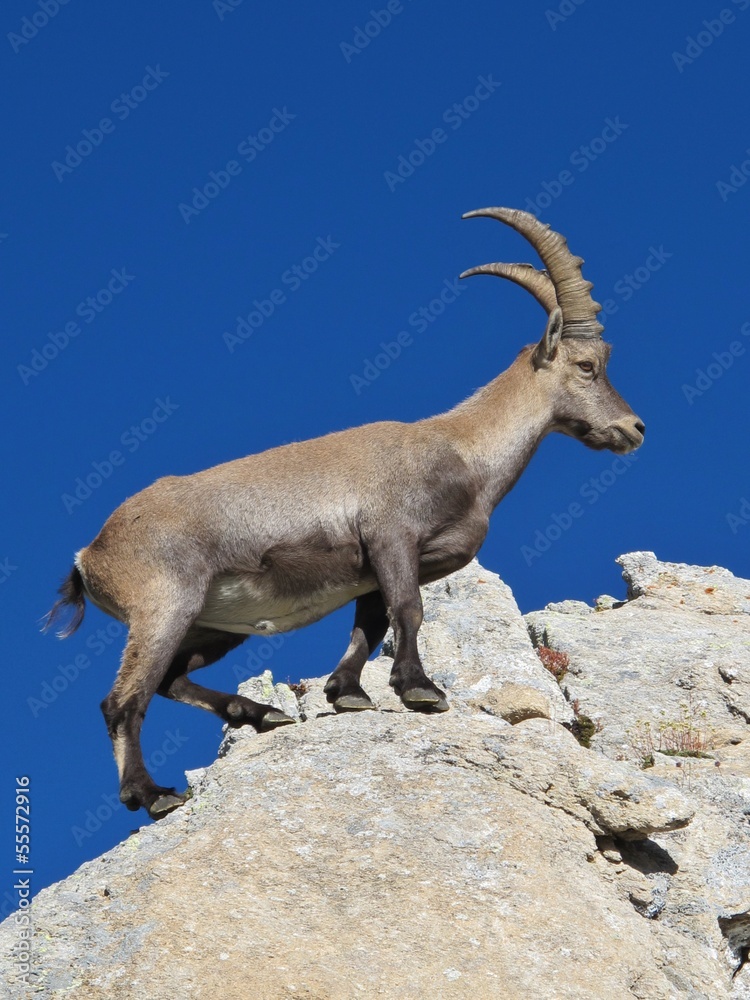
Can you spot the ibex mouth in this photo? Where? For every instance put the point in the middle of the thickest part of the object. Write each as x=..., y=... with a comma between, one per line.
x=630, y=440
x=613, y=438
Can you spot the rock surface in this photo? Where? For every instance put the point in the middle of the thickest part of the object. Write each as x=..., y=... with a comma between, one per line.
x=477, y=647
x=664, y=676
x=482, y=853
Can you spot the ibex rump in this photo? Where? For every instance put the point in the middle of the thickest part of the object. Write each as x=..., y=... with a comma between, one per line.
x=272, y=542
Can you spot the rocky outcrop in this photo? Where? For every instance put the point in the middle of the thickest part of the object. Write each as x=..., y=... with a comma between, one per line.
x=483, y=853
x=678, y=651
x=664, y=677
x=477, y=647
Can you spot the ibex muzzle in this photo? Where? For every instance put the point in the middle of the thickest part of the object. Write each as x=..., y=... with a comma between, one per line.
x=272, y=542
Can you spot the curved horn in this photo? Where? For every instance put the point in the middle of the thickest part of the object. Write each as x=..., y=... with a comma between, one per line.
x=527, y=276
x=573, y=291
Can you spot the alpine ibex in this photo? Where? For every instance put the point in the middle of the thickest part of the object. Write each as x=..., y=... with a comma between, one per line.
x=269, y=543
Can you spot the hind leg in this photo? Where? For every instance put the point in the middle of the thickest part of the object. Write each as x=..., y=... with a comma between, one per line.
x=343, y=689
x=153, y=641
x=199, y=649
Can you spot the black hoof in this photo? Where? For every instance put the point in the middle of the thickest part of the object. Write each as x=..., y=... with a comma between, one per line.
x=346, y=694
x=424, y=699
x=274, y=719
x=353, y=703
x=166, y=804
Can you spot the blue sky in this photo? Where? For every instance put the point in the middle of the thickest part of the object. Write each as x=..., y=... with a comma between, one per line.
x=215, y=215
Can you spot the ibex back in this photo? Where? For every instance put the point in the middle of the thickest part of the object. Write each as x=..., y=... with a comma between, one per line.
x=195, y=564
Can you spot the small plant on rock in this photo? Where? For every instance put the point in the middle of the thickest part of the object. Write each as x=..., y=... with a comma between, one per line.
x=582, y=727
x=556, y=662
x=686, y=736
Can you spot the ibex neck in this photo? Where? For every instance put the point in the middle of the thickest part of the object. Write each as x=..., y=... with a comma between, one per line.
x=500, y=427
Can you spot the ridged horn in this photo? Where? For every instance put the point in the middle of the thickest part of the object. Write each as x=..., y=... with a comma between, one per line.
x=572, y=290
x=534, y=281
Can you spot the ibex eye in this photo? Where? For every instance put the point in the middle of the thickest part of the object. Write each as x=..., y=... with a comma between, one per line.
x=585, y=366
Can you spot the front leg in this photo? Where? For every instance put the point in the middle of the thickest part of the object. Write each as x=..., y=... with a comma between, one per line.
x=395, y=562
x=343, y=689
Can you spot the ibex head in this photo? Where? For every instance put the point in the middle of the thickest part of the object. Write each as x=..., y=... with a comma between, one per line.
x=571, y=358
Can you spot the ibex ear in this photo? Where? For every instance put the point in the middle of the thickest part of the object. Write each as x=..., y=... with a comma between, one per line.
x=546, y=349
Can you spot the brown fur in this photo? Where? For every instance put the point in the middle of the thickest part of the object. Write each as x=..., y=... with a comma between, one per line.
x=277, y=540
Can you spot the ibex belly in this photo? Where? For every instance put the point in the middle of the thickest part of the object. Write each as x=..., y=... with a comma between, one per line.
x=247, y=605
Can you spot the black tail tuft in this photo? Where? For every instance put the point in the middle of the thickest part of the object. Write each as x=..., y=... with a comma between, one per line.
x=71, y=593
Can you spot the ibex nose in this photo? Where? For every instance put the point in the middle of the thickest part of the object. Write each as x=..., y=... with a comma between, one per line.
x=636, y=432
x=632, y=430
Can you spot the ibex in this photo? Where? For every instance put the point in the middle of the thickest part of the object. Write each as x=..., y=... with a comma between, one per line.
x=269, y=543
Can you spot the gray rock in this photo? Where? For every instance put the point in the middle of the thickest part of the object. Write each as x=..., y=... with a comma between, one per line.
x=475, y=645
x=397, y=855
x=648, y=670
x=603, y=603
x=569, y=607
x=710, y=589
x=375, y=855
x=263, y=690
x=664, y=675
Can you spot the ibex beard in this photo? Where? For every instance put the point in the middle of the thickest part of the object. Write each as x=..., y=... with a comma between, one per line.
x=193, y=565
